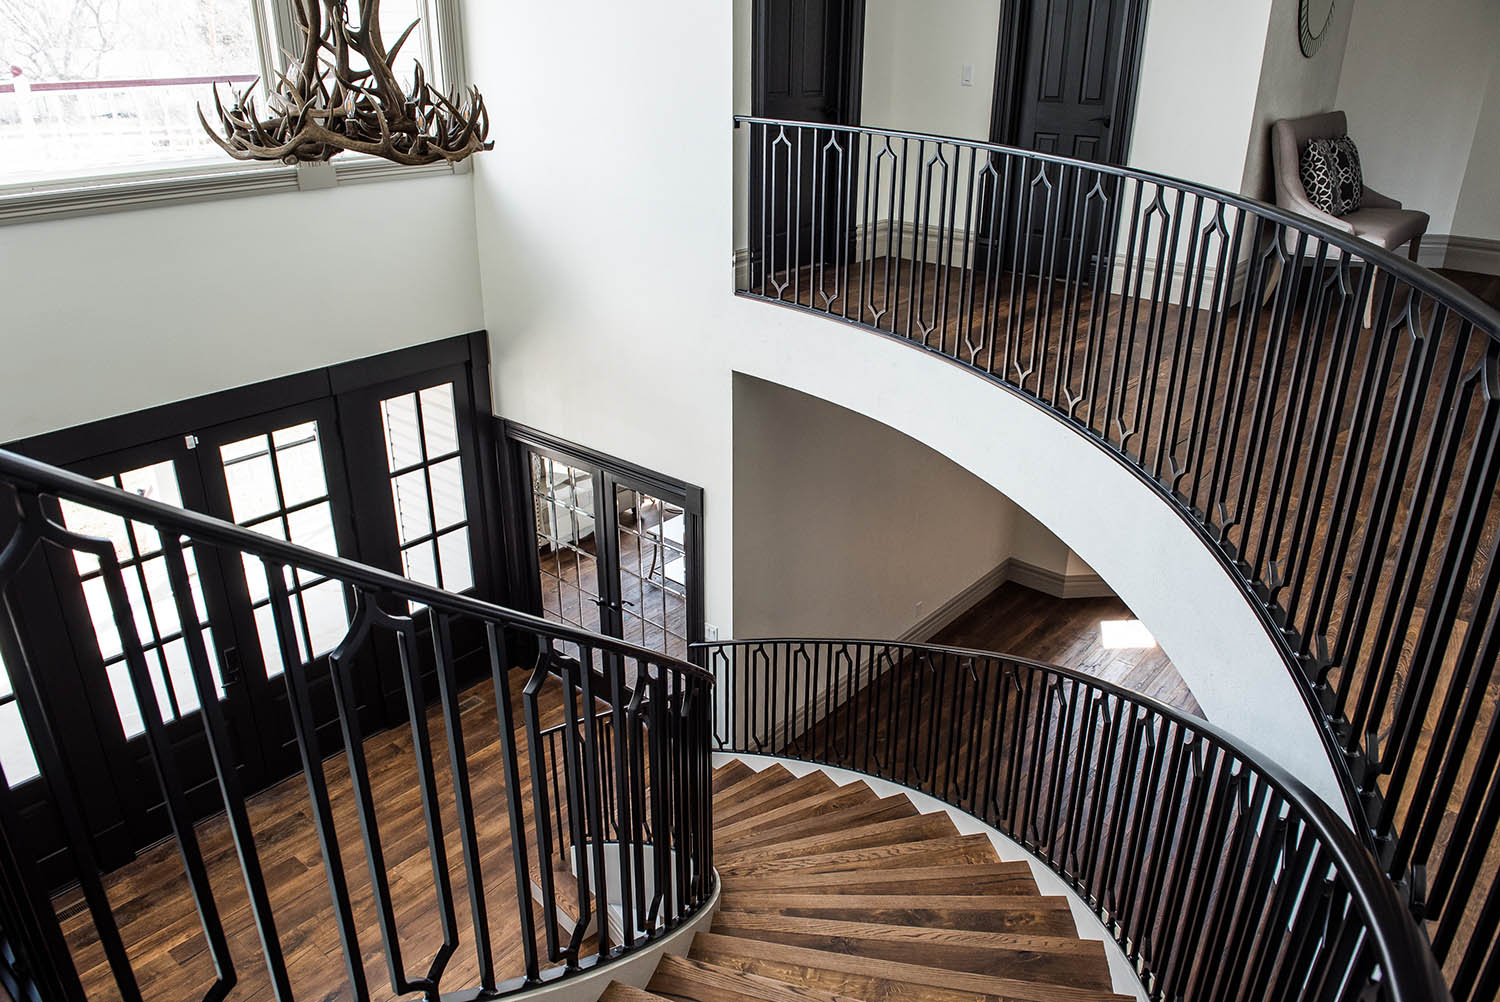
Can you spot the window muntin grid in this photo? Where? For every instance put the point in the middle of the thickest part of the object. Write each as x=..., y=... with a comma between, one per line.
x=653, y=571
x=278, y=486
x=563, y=500
x=143, y=569
x=427, y=488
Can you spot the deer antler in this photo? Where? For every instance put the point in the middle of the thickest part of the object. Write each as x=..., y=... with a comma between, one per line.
x=323, y=105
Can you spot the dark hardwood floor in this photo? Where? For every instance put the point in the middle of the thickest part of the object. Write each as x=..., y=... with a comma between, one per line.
x=1486, y=287
x=160, y=926
x=1017, y=620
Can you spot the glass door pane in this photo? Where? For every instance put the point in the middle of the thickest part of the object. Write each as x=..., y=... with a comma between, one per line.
x=139, y=550
x=653, y=571
x=564, y=505
x=278, y=486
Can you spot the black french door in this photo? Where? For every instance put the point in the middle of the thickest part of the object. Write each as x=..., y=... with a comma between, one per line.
x=377, y=460
x=612, y=547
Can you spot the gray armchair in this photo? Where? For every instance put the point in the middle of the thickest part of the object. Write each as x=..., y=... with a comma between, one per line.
x=1380, y=220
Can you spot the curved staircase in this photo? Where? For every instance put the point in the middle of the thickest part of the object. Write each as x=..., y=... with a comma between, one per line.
x=833, y=892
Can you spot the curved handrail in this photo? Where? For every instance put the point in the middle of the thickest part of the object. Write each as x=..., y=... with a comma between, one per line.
x=1323, y=414
x=660, y=884
x=854, y=684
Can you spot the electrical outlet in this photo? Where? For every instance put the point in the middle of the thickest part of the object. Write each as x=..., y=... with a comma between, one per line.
x=918, y=616
x=710, y=632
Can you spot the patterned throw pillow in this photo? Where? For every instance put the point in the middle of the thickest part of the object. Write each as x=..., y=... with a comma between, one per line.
x=1331, y=174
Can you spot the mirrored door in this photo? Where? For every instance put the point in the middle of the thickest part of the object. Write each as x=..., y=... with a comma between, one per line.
x=617, y=549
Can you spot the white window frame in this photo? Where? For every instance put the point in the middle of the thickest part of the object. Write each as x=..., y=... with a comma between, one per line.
x=442, y=39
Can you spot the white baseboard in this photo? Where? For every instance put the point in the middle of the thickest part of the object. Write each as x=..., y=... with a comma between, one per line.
x=1447, y=250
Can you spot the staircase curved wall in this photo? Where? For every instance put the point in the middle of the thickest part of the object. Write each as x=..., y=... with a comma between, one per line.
x=1123, y=529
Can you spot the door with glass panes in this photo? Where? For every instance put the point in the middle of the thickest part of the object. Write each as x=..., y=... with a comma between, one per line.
x=277, y=474
x=617, y=549
x=385, y=473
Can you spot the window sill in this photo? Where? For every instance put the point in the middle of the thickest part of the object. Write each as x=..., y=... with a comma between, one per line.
x=63, y=199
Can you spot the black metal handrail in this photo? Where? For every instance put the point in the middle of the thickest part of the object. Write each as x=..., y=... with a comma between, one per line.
x=1324, y=414
x=654, y=704
x=1218, y=874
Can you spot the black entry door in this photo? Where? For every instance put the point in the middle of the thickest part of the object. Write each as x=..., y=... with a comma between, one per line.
x=282, y=474
x=806, y=68
x=1071, y=62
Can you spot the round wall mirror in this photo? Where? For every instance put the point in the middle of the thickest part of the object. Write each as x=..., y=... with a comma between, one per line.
x=1313, y=19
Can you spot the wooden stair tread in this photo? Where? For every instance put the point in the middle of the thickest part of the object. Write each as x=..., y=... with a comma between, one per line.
x=700, y=981
x=730, y=773
x=813, y=805
x=889, y=835
x=887, y=809
x=962, y=849
x=727, y=811
x=619, y=992
x=985, y=878
x=756, y=784
x=1055, y=960
x=876, y=980
x=1033, y=914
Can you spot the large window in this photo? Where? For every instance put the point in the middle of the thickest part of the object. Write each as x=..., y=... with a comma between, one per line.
x=105, y=89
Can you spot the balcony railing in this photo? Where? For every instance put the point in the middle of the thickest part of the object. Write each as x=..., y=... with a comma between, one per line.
x=637, y=843
x=1326, y=416
x=1219, y=876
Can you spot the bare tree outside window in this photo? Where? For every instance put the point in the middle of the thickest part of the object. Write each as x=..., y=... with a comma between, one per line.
x=102, y=86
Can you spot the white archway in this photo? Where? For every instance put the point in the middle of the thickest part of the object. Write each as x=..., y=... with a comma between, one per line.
x=1121, y=527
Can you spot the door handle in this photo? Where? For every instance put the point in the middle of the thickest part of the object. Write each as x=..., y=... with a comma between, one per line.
x=1103, y=120
x=229, y=660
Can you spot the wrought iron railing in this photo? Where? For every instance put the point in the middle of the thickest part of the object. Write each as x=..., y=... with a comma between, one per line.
x=1220, y=876
x=1325, y=414
x=655, y=705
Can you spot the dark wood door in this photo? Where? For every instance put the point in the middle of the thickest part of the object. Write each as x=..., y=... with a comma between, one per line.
x=806, y=68
x=1072, y=61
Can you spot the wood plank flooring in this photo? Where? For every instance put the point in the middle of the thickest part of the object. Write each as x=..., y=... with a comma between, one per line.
x=160, y=927
x=1017, y=620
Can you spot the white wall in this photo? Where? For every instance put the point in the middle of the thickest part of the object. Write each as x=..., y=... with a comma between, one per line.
x=1413, y=82
x=843, y=525
x=1291, y=84
x=914, y=54
x=106, y=314
x=1200, y=73
x=1478, y=211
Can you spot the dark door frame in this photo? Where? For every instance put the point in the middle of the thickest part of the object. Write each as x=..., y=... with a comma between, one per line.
x=518, y=439
x=1010, y=62
x=851, y=86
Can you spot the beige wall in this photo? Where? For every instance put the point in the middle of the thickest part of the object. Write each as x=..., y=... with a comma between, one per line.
x=1291, y=84
x=1413, y=82
x=846, y=527
x=914, y=55
x=1478, y=211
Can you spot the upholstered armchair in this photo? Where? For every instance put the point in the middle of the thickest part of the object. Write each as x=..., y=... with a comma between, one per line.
x=1380, y=220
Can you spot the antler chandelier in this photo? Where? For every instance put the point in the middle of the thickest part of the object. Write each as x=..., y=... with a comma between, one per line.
x=326, y=103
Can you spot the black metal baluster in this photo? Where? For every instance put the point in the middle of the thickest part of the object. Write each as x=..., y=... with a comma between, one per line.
x=299, y=702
